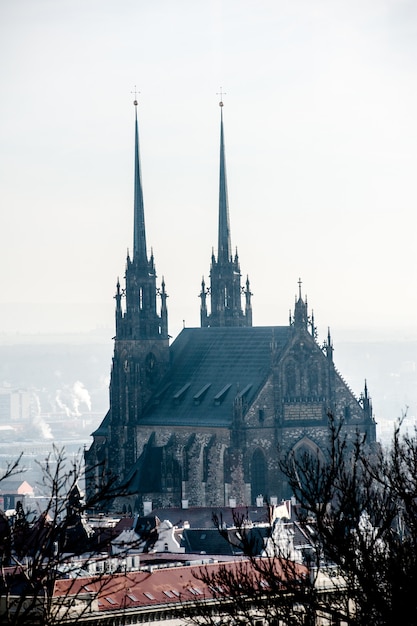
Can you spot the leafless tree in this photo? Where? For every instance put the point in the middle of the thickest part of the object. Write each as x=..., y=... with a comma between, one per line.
x=34, y=555
x=12, y=468
x=359, y=504
x=363, y=501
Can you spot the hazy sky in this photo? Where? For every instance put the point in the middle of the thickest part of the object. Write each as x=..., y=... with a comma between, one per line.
x=321, y=149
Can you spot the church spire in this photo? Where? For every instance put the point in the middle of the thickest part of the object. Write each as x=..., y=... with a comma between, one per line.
x=139, y=319
x=139, y=237
x=224, y=251
x=300, y=310
x=225, y=289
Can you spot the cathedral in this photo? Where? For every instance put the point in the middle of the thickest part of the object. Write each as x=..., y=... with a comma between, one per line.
x=201, y=422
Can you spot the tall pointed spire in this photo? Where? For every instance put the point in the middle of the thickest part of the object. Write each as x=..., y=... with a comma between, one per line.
x=225, y=289
x=224, y=250
x=139, y=237
x=139, y=319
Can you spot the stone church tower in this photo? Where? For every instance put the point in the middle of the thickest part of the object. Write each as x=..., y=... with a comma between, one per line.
x=225, y=279
x=141, y=348
x=204, y=419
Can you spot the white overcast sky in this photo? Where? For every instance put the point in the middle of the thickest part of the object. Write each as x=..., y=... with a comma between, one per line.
x=321, y=149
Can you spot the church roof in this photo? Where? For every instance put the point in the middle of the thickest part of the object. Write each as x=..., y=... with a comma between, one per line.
x=210, y=368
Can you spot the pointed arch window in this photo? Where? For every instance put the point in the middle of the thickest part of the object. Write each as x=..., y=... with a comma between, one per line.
x=313, y=380
x=304, y=450
x=226, y=467
x=291, y=379
x=258, y=475
x=185, y=464
x=205, y=463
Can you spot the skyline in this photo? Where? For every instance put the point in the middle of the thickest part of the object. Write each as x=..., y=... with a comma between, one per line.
x=321, y=152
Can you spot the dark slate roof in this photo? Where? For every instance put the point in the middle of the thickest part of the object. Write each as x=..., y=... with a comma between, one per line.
x=209, y=368
x=207, y=541
x=228, y=542
x=101, y=431
x=202, y=517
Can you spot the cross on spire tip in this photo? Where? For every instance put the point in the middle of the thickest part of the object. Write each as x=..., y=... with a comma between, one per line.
x=221, y=93
x=135, y=92
x=299, y=287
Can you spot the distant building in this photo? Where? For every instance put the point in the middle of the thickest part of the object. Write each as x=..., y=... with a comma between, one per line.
x=12, y=491
x=201, y=421
x=15, y=405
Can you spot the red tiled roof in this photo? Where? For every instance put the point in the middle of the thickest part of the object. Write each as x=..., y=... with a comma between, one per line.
x=147, y=588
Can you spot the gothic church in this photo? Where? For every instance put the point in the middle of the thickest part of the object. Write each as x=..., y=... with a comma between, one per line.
x=201, y=421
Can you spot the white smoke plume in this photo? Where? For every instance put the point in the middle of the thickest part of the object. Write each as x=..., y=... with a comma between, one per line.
x=82, y=395
x=37, y=420
x=43, y=427
x=72, y=399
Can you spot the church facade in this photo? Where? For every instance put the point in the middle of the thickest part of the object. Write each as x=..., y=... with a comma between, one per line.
x=204, y=420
